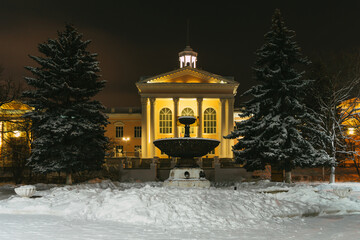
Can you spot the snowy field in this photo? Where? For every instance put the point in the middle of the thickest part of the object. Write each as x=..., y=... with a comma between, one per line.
x=108, y=210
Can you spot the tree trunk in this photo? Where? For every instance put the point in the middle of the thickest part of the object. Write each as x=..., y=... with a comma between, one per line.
x=288, y=176
x=356, y=166
x=332, y=175
x=68, y=178
x=277, y=174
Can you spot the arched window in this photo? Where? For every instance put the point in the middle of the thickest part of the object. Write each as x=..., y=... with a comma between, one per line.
x=187, y=112
x=119, y=129
x=210, y=120
x=165, y=120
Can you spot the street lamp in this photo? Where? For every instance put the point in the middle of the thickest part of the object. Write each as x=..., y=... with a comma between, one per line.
x=17, y=134
x=351, y=131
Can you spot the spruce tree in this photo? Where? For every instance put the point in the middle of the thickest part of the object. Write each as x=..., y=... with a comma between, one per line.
x=280, y=130
x=67, y=123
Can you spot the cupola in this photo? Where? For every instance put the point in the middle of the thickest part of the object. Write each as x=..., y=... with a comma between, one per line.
x=188, y=57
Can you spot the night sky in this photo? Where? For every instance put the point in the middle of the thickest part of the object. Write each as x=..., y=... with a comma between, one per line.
x=143, y=38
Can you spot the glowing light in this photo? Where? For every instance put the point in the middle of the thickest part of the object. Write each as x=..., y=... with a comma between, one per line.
x=351, y=131
x=188, y=60
x=188, y=57
x=17, y=133
x=1, y=133
x=125, y=139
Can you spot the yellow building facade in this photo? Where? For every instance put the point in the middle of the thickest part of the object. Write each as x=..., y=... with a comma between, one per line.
x=14, y=130
x=187, y=91
x=124, y=132
x=350, y=119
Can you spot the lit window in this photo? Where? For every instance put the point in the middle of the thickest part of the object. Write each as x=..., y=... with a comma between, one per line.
x=210, y=120
x=119, y=131
x=137, y=132
x=187, y=112
x=165, y=121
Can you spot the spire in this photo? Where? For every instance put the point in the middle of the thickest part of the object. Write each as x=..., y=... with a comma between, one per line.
x=188, y=57
x=188, y=33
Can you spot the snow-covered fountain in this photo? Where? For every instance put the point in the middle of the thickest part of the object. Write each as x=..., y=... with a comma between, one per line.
x=187, y=173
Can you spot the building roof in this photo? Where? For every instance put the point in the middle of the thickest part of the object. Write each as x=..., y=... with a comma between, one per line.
x=15, y=105
x=13, y=109
x=188, y=80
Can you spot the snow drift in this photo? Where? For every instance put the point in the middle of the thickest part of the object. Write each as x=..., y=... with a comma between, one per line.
x=209, y=208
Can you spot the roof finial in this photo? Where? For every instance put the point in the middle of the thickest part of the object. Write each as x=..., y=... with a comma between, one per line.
x=188, y=57
x=188, y=33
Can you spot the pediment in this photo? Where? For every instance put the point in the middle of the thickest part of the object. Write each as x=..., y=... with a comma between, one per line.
x=119, y=123
x=186, y=78
x=187, y=75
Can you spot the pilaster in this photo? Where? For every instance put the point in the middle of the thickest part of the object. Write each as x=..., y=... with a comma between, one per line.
x=152, y=127
x=176, y=114
x=144, y=136
x=230, y=125
x=222, y=128
x=200, y=113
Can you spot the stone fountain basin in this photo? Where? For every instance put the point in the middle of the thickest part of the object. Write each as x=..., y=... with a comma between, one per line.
x=186, y=147
x=187, y=120
x=26, y=191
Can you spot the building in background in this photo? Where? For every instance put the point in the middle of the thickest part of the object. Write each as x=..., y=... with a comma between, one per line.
x=15, y=134
x=187, y=91
x=350, y=121
x=124, y=132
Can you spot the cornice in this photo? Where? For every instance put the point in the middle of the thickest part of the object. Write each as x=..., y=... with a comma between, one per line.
x=187, y=88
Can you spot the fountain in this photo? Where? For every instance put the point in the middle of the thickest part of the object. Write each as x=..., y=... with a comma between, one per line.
x=186, y=173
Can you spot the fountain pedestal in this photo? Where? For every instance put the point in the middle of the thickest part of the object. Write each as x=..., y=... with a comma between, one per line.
x=187, y=177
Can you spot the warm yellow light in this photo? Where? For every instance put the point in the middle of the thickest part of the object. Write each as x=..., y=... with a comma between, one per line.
x=351, y=131
x=189, y=99
x=1, y=133
x=17, y=133
x=125, y=139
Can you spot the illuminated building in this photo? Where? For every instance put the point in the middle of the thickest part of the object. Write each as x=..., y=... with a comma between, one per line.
x=13, y=129
x=350, y=110
x=164, y=97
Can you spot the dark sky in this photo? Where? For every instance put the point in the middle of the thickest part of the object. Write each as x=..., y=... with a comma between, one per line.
x=143, y=38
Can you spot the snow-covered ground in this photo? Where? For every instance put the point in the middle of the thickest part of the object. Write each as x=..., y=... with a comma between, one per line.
x=255, y=210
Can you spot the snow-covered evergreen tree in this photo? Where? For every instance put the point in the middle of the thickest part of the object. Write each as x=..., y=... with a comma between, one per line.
x=280, y=129
x=67, y=124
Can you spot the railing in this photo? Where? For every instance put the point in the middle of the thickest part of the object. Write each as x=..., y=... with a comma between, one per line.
x=126, y=154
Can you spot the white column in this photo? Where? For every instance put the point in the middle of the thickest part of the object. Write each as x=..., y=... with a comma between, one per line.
x=144, y=136
x=222, y=128
x=230, y=125
x=176, y=114
x=152, y=127
x=200, y=113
